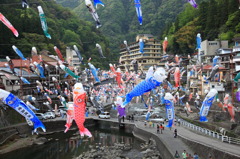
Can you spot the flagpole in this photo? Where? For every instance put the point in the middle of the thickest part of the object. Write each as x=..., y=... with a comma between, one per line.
x=199, y=47
x=199, y=57
x=21, y=91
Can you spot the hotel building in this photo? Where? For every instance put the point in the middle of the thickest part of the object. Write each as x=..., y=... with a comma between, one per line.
x=151, y=56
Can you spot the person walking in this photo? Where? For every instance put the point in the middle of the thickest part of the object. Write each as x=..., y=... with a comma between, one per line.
x=177, y=155
x=184, y=154
x=157, y=129
x=150, y=124
x=161, y=128
x=179, y=121
x=175, y=133
x=175, y=121
x=189, y=156
x=132, y=117
x=195, y=156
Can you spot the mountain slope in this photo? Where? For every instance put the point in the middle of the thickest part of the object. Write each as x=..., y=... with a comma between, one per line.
x=65, y=28
x=120, y=22
x=214, y=19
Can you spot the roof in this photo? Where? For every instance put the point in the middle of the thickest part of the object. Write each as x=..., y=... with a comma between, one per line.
x=51, y=63
x=236, y=39
x=8, y=75
x=19, y=72
x=17, y=63
x=3, y=60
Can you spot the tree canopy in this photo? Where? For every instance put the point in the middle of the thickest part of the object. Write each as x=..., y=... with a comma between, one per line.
x=64, y=26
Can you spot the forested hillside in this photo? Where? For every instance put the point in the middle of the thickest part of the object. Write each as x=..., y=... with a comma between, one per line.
x=176, y=19
x=214, y=19
x=120, y=22
x=65, y=28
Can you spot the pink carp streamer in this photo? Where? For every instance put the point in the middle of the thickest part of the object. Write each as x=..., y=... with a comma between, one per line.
x=8, y=24
x=79, y=98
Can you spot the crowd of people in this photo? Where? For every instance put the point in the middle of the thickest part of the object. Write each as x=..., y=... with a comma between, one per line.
x=186, y=155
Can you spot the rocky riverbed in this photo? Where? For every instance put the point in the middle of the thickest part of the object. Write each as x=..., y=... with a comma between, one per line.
x=22, y=142
x=122, y=151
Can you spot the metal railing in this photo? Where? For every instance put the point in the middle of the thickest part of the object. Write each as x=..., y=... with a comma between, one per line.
x=211, y=133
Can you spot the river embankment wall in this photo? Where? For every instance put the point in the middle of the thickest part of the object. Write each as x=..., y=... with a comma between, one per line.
x=205, y=151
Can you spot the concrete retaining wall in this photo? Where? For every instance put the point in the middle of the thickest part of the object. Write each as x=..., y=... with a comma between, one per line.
x=205, y=151
x=161, y=146
x=25, y=130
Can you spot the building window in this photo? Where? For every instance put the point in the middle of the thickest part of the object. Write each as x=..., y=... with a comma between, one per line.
x=213, y=43
x=144, y=61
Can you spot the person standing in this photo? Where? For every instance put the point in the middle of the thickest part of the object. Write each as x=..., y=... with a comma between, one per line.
x=195, y=156
x=157, y=129
x=161, y=128
x=184, y=154
x=177, y=155
x=179, y=121
x=175, y=133
x=150, y=124
x=132, y=118
x=145, y=124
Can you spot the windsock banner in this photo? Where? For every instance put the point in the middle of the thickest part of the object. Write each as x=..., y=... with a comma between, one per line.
x=206, y=105
x=169, y=112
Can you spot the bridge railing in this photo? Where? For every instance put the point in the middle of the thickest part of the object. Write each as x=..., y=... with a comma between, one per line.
x=211, y=133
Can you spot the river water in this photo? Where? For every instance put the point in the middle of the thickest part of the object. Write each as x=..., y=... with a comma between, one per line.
x=70, y=145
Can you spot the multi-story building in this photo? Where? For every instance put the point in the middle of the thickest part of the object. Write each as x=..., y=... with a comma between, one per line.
x=210, y=47
x=151, y=56
x=236, y=58
x=72, y=57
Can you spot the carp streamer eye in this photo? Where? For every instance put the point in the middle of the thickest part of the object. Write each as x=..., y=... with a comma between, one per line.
x=10, y=102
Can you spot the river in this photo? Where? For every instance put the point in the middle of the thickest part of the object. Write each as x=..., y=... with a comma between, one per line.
x=70, y=145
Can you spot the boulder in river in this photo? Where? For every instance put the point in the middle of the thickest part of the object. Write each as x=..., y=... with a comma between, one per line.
x=40, y=140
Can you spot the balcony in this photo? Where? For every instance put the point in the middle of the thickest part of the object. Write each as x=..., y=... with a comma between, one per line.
x=237, y=68
x=236, y=58
x=223, y=51
x=236, y=49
